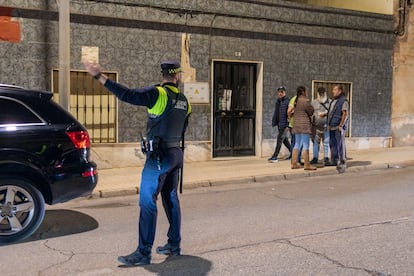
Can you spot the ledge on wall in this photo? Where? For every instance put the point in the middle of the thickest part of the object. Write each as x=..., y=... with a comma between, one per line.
x=129, y=154
x=352, y=143
x=122, y=155
x=359, y=143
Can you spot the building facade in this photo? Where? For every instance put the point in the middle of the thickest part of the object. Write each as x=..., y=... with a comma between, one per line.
x=402, y=121
x=234, y=53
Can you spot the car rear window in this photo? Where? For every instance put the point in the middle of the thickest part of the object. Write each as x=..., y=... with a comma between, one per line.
x=14, y=112
x=54, y=113
x=49, y=110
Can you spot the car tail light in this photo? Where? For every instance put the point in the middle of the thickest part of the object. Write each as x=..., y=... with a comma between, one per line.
x=89, y=173
x=80, y=139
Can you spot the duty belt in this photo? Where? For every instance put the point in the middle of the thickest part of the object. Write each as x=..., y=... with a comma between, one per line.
x=171, y=144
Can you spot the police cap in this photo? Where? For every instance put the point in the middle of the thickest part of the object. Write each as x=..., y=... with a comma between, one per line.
x=171, y=67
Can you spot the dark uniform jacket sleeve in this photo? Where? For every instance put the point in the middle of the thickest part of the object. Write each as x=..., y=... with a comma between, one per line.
x=146, y=96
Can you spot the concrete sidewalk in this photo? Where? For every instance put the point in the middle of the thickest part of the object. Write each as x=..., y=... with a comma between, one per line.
x=125, y=181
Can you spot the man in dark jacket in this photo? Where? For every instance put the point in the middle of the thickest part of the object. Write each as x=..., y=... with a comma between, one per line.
x=338, y=124
x=280, y=119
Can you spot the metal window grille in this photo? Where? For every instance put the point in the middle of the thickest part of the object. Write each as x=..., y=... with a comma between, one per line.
x=91, y=104
x=234, y=112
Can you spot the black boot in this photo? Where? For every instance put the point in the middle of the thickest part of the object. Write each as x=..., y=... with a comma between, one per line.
x=136, y=258
x=169, y=249
x=329, y=163
x=314, y=161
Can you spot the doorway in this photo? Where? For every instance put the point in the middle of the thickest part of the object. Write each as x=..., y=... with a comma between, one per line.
x=234, y=108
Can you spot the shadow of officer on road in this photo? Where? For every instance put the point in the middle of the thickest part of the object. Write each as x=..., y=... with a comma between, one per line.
x=180, y=265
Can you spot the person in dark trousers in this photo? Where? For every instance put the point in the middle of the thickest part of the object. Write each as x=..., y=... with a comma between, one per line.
x=338, y=124
x=168, y=111
x=280, y=119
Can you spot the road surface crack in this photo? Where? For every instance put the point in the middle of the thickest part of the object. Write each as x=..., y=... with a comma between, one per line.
x=289, y=241
x=370, y=272
x=68, y=254
x=338, y=263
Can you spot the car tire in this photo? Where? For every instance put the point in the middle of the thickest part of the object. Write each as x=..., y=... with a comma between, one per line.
x=22, y=208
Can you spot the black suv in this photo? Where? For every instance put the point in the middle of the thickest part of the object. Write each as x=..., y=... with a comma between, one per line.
x=44, y=157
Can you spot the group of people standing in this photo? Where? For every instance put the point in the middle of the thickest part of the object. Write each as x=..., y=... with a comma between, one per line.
x=322, y=121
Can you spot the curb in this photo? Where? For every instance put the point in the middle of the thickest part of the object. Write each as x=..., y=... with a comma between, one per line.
x=256, y=179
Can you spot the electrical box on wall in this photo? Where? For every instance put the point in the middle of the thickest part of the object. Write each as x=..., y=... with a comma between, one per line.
x=197, y=92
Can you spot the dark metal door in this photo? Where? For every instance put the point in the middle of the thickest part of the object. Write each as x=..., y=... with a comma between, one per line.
x=234, y=103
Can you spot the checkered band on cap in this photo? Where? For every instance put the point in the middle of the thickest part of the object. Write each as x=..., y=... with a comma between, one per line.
x=171, y=67
x=173, y=71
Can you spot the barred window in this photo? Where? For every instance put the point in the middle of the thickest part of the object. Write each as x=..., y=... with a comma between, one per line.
x=91, y=104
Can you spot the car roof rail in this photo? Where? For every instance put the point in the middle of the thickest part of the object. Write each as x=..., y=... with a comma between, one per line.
x=18, y=90
x=11, y=86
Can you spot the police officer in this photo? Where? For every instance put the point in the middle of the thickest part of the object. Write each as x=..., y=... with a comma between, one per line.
x=168, y=112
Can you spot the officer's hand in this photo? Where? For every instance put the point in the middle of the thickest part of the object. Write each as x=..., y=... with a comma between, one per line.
x=93, y=68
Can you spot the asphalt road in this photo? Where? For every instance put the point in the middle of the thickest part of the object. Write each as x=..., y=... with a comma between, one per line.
x=350, y=224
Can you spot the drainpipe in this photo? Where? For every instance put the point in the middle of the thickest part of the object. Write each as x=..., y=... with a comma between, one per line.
x=64, y=54
x=403, y=7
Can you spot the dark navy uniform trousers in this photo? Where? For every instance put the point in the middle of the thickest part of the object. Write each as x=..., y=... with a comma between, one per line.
x=160, y=177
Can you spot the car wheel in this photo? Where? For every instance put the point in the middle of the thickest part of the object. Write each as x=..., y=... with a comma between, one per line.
x=22, y=208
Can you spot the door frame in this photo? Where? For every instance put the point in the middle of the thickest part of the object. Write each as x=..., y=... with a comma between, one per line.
x=259, y=108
